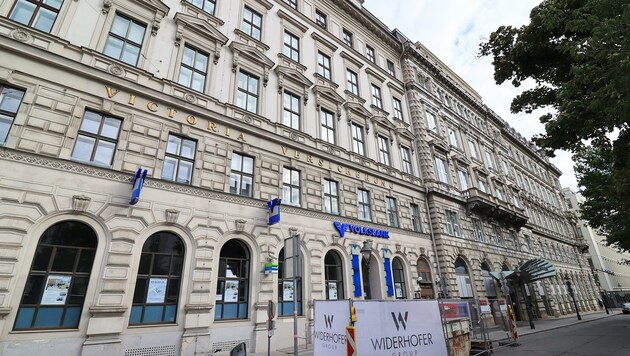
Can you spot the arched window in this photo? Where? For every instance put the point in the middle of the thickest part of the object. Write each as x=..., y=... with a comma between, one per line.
x=426, y=281
x=159, y=280
x=334, y=276
x=58, y=280
x=232, y=297
x=488, y=281
x=287, y=291
x=400, y=287
x=463, y=279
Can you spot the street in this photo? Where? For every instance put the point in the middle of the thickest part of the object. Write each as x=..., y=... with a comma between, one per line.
x=609, y=336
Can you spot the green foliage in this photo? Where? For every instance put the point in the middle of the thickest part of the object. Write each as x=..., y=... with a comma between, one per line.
x=577, y=52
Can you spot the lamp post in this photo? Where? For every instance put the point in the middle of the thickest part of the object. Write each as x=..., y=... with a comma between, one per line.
x=568, y=280
x=366, y=252
x=419, y=291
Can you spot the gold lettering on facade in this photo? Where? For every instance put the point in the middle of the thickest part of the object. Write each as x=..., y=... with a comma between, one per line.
x=320, y=163
x=348, y=171
x=111, y=92
x=309, y=159
x=132, y=100
x=339, y=169
x=212, y=126
x=241, y=137
x=284, y=150
x=358, y=174
x=227, y=131
x=171, y=112
x=191, y=120
x=152, y=106
x=382, y=183
x=297, y=155
x=367, y=178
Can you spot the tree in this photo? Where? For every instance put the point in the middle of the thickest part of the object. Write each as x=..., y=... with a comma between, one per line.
x=577, y=52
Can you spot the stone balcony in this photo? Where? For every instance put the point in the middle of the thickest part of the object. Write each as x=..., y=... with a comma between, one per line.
x=490, y=207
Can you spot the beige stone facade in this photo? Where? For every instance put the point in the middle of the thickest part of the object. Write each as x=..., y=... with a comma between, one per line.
x=359, y=148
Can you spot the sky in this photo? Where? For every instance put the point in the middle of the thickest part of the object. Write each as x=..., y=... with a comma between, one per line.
x=452, y=30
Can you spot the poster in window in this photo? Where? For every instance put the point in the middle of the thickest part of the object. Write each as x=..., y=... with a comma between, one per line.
x=231, y=291
x=287, y=291
x=56, y=290
x=332, y=291
x=399, y=291
x=156, y=291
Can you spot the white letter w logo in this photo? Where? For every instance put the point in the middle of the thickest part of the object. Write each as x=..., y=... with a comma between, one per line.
x=328, y=319
x=400, y=321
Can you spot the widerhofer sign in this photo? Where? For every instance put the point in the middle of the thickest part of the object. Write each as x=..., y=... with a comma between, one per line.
x=331, y=319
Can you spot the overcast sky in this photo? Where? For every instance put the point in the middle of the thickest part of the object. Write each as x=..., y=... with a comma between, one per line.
x=452, y=30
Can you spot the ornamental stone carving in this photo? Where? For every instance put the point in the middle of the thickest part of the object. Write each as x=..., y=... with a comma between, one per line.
x=80, y=203
x=21, y=35
x=240, y=225
x=171, y=215
x=117, y=70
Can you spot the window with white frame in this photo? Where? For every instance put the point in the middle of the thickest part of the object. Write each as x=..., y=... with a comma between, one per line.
x=506, y=167
x=252, y=23
x=441, y=170
x=463, y=179
x=323, y=65
x=247, y=92
x=179, y=159
x=97, y=138
x=432, y=122
x=38, y=14
x=490, y=159
x=327, y=121
x=392, y=211
x=348, y=38
x=369, y=53
x=390, y=68
x=10, y=100
x=331, y=197
x=242, y=175
x=377, y=99
x=498, y=235
x=452, y=224
x=499, y=192
x=515, y=199
x=452, y=137
x=291, y=187
x=406, y=160
x=416, y=222
x=363, y=200
x=125, y=40
x=358, y=141
x=383, y=149
x=473, y=149
x=291, y=110
x=292, y=3
x=193, y=69
x=483, y=184
x=206, y=5
x=291, y=47
x=352, y=82
x=321, y=19
x=397, y=109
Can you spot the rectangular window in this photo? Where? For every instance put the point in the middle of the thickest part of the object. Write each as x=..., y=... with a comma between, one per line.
x=452, y=137
x=193, y=70
x=205, y=5
x=383, y=148
x=441, y=170
x=497, y=234
x=242, y=175
x=406, y=160
x=292, y=3
x=432, y=122
x=252, y=23
x=125, y=40
x=331, y=197
x=477, y=229
x=500, y=193
x=376, y=97
x=463, y=179
x=490, y=159
x=452, y=224
x=397, y=109
x=483, y=185
x=291, y=111
x=179, y=159
x=369, y=53
x=473, y=149
x=390, y=68
x=506, y=167
x=347, y=38
x=247, y=93
x=358, y=142
x=363, y=199
x=321, y=19
x=327, y=120
x=415, y=217
x=97, y=139
x=291, y=46
x=323, y=65
x=353, y=82
x=392, y=211
x=10, y=100
x=39, y=14
x=291, y=186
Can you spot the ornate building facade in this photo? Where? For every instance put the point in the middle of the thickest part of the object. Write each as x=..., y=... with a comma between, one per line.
x=228, y=105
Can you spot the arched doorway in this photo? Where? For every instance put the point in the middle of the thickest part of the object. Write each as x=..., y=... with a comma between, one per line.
x=232, y=298
x=371, y=278
x=463, y=279
x=333, y=270
x=400, y=286
x=426, y=279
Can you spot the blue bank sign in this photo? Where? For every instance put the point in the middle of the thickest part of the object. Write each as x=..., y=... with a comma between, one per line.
x=361, y=230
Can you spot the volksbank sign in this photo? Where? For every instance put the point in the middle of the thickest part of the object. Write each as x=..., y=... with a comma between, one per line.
x=361, y=230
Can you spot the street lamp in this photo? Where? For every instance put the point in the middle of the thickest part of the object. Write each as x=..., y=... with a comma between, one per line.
x=366, y=251
x=568, y=280
x=419, y=290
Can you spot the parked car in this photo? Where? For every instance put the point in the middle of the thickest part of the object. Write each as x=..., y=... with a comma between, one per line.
x=626, y=308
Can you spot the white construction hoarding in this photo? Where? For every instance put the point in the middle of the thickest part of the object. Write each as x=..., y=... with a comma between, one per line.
x=331, y=319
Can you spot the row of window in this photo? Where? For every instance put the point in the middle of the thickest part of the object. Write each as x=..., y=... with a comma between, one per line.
x=59, y=277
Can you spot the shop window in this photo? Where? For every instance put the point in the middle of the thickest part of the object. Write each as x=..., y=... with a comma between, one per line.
x=159, y=280
x=331, y=197
x=193, y=70
x=333, y=271
x=97, y=139
x=58, y=279
x=179, y=160
x=10, y=100
x=291, y=112
x=252, y=23
x=232, y=298
x=247, y=93
x=287, y=291
x=39, y=14
x=398, y=271
x=327, y=121
x=291, y=186
x=363, y=199
x=125, y=40
x=463, y=279
x=242, y=175
x=206, y=5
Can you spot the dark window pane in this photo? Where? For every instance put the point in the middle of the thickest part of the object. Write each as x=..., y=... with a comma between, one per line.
x=64, y=259
x=85, y=261
x=140, y=294
x=79, y=286
x=33, y=289
x=42, y=258
x=173, y=290
x=233, y=269
x=145, y=264
x=176, y=265
x=161, y=265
